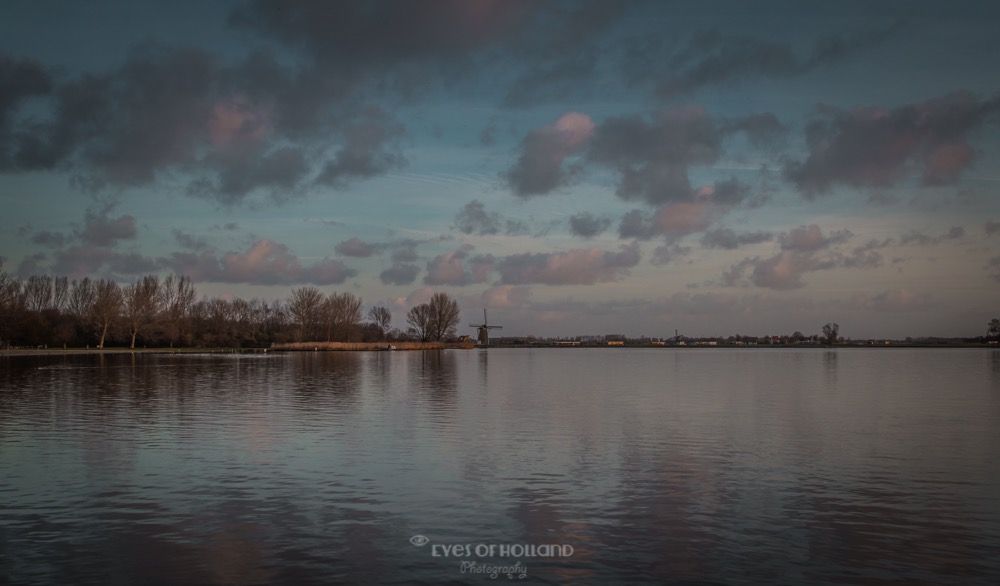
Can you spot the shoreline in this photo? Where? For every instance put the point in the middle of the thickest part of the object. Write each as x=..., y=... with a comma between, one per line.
x=418, y=346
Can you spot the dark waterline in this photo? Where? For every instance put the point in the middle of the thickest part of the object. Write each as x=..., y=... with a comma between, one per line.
x=700, y=466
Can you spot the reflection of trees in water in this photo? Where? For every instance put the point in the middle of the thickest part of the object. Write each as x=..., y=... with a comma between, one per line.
x=325, y=378
x=830, y=368
x=437, y=374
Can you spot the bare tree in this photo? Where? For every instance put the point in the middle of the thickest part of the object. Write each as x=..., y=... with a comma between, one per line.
x=11, y=304
x=304, y=307
x=830, y=332
x=140, y=305
x=106, y=308
x=341, y=314
x=60, y=293
x=444, y=316
x=176, y=297
x=38, y=292
x=81, y=297
x=381, y=318
x=418, y=320
x=993, y=330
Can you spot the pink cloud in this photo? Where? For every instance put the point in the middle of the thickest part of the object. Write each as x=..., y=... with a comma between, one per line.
x=539, y=169
x=873, y=147
x=683, y=218
x=265, y=263
x=234, y=121
x=573, y=267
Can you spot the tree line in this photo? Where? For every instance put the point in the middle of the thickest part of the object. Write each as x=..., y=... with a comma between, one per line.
x=42, y=310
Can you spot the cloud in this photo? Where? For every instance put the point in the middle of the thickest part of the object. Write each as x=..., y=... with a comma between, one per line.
x=474, y=219
x=49, y=238
x=811, y=238
x=506, y=296
x=458, y=268
x=20, y=81
x=280, y=170
x=362, y=36
x=101, y=230
x=189, y=241
x=762, y=130
x=804, y=250
x=676, y=219
x=668, y=253
x=993, y=267
x=399, y=274
x=921, y=239
x=539, y=167
x=90, y=259
x=265, y=263
x=574, y=267
x=728, y=239
x=371, y=147
x=651, y=158
x=711, y=58
x=991, y=228
x=357, y=248
x=893, y=300
x=587, y=225
x=875, y=147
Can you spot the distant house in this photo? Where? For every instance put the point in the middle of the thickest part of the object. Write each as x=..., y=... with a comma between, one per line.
x=616, y=342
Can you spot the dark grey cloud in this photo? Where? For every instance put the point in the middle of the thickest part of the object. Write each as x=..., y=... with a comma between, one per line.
x=540, y=168
x=49, y=238
x=762, y=130
x=400, y=274
x=564, y=53
x=730, y=240
x=712, y=58
x=551, y=81
x=804, y=250
x=993, y=267
x=867, y=256
x=652, y=156
x=474, y=219
x=281, y=171
x=921, y=239
x=87, y=260
x=20, y=79
x=811, y=238
x=370, y=148
x=573, y=267
x=100, y=229
x=189, y=241
x=265, y=263
x=359, y=36
x=649, y=156
x=260, y=124
x=357, y=248
x=871, y=147
x=991, y=228
x=587, y=225
x=668, y=253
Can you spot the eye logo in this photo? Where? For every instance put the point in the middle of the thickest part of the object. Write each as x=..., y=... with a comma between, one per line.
x=419, y=540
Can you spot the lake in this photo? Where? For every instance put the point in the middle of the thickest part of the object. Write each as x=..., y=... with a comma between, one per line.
x=551, y=466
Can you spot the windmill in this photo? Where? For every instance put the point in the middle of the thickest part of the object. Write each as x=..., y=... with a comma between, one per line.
x=484, y=330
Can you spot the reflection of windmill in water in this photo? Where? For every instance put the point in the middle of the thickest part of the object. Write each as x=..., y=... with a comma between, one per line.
x=484, y=330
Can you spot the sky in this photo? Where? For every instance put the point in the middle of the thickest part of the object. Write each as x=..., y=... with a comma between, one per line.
x=578, y=168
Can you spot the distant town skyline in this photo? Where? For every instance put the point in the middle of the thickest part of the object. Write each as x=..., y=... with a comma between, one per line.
x=578, y=168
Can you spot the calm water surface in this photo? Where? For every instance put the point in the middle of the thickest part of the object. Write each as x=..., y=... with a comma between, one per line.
x=676, y=466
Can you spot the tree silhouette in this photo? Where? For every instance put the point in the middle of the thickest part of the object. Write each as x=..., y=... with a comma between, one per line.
x=830, y=332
